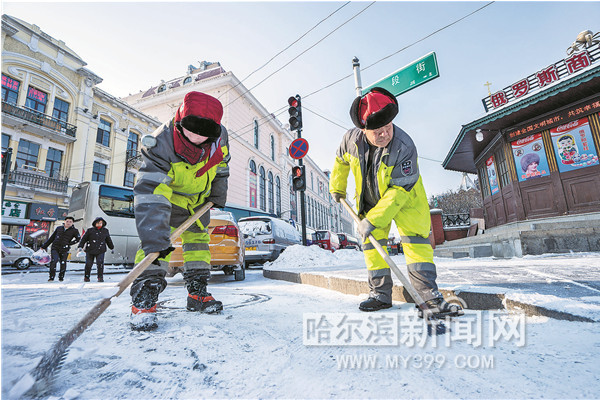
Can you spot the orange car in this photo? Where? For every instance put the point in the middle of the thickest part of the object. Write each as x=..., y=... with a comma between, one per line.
x=226, y=247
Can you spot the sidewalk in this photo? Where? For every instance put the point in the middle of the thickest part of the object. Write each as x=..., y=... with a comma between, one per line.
x=558, y=286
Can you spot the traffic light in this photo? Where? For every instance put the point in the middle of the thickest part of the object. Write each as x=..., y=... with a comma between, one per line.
x=298, y=178
x=4, y=162
x=295, y=111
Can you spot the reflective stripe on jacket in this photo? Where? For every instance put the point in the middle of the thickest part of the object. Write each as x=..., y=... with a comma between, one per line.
x=401, y=195
x=166, y=181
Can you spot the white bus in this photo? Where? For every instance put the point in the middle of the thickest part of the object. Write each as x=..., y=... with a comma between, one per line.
x=91, y=200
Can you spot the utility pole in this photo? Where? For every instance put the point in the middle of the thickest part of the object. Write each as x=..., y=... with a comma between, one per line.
x=357, y=81
x=6, y=158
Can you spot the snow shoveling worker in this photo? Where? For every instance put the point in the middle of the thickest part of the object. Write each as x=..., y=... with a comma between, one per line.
x=185, y=165
x=383, y=160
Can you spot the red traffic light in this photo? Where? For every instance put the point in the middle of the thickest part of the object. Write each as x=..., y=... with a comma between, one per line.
x=298, y=171
x=293, y=102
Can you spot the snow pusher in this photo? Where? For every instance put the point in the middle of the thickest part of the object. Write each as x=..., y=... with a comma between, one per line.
x=39, y=379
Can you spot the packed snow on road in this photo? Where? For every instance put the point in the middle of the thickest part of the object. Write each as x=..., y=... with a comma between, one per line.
x=277, y=339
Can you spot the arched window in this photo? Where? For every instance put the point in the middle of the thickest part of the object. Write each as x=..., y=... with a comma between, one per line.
x=293, y=207
x=162, y=88
x=272, y=148
x=277, y=196
x=252, y=184
x=256, y=134
x=271, y=190
x=262, y=188
x=187, y=80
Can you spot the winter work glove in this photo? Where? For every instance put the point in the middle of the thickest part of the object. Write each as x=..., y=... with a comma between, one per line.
x=365, y=228
x=338, y=196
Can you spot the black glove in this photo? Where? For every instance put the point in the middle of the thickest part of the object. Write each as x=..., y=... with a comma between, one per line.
x=165, y=252
x=338, y=196
x=365, y=228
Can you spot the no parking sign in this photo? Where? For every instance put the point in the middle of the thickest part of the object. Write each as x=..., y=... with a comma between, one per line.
x=298, y=148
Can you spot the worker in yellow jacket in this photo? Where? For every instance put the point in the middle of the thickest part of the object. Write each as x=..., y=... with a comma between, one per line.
x=185, y=165
x=383, y=160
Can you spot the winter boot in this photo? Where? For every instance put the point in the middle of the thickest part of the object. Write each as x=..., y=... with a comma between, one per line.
x=143, y=308
x=372, y=304
x=200, y=300
x=440, y=309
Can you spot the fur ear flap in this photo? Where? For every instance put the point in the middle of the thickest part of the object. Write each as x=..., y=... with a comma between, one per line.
x=354, y=113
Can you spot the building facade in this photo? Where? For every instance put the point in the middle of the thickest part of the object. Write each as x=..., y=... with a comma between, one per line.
x=60, y=128
x=260, y=164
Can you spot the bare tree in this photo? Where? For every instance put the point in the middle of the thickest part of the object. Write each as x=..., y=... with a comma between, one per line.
x=456, y=202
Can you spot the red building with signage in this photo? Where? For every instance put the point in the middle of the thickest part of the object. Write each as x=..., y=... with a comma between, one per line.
x=536, y=150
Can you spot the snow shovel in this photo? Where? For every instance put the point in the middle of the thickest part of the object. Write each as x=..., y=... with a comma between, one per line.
x=40, y=378
x=427, y=314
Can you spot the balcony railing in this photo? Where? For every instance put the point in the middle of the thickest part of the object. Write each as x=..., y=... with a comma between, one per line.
x=456, y=220
x=39, y=119
x=37, y=181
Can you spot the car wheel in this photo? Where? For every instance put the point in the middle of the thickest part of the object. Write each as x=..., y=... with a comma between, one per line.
x=22, y=263
x=240, y=274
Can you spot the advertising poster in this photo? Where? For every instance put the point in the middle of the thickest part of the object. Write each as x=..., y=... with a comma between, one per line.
x=574, y=145
x=252, y=189
x=530, y=157
x=492, y=176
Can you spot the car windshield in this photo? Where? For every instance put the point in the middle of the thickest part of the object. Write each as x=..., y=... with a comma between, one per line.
x=321, y=235
x=255, y=227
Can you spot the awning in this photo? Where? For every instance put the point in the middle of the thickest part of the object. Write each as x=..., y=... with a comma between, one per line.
x=15, y=221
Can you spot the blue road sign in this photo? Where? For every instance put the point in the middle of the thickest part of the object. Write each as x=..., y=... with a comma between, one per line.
x=298, y=148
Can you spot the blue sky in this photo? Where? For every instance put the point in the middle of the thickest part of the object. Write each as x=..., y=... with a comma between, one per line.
x=132, y=46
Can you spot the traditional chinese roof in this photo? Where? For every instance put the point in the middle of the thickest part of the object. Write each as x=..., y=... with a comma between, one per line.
x=466, y=148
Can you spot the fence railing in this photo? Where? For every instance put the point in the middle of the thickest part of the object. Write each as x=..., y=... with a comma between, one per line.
x=37, y=181
x=39, y=119
x=456, y=220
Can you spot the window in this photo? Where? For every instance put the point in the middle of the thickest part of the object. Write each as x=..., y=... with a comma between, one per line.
x=312, y=183
x=99, y=172
x=502, y=168
x=103, y=136
x=187, y=80
x=129, y=180
x=36, y=100
x=116, y=202
x=53, y=161
x=162, y=88
x=61, y=110
x=271, y=200
x=272, y=148
x=252, y=166
x=256, y=134
x=5, y=141
x=262, y=189
x=485, y=189
x=27, y=153
x=10, y=89
x=252, y=183
x=278, y=196
x=132, y=144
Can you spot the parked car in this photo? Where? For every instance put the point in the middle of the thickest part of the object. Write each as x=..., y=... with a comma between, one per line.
x=227, y=251
x=267, y=237
x=19, y=256
x=327, y=240
x=347, y=241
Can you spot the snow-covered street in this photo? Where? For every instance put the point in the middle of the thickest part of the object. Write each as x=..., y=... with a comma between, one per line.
x=255, y=348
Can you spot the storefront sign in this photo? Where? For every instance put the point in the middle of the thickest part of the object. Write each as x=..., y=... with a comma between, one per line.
x=559, y=118
x=541, y=79
x=492, y=177
x=46, y=212
x=574, y=145
x=15, y=209
x=530, y=157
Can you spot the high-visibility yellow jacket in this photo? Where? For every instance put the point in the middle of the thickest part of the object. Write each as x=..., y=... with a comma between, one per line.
x=169, y=189
x=398, y=184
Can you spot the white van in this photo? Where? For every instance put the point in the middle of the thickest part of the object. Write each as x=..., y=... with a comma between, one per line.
x=267, y=237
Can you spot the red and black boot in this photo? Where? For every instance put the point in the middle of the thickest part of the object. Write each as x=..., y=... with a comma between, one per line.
x=199, y=299
x=143, y=308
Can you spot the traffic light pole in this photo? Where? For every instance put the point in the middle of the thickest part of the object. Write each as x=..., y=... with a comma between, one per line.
x=6, y=171
x=302, y=204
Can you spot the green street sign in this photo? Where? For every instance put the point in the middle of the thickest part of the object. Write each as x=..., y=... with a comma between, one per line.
x=409, y=77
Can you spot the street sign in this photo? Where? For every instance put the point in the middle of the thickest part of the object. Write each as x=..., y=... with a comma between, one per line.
x=409, y=77
x=298, y=148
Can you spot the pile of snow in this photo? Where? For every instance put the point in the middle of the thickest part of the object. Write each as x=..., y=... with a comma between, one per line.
x=298, y=256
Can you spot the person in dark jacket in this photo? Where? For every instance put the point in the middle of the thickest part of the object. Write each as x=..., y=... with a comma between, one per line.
x=97, y=238
x=62, y=239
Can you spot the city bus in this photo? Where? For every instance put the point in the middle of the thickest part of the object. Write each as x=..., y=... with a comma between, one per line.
x=114, y=204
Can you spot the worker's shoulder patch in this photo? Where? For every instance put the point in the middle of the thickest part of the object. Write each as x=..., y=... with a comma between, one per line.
x=407, y=168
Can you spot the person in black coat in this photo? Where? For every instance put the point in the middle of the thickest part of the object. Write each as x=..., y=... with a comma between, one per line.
x=62, y=239
x=94, y=241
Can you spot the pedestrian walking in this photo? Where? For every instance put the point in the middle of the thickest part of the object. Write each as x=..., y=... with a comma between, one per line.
x=185, y=165
x=61, y=240
x=94, y=242
x=383, y=160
